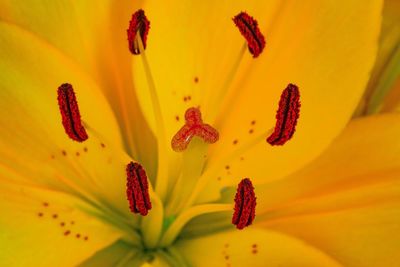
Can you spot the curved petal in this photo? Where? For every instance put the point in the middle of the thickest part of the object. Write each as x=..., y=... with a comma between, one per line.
x=327, y=50
x=93, y=34
x=346, y=202
x=366, y=153
x=252, y=247
x=31, y=74
x=33, y=142
x=46, y=228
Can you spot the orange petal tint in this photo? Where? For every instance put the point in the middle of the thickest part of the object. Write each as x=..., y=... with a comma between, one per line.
x=137, y=189
x=71, y=118
x=194, y=126
x=248, y=27
x=286, y=117
x=245, y=204
x=138, y=24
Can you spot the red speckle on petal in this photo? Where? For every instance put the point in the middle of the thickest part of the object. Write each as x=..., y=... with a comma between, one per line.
x=67, y=232
x=137, y=189
x=138, y=24
x=71, y=118
x=245, y=204
x=287, y=116
x=194, y=126
x=248, y=27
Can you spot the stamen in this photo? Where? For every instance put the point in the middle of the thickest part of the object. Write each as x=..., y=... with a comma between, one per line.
x=286, y=117
x=248, y=27
x=194, y=126
x=137, y=189
x=245, y=204
x=162, y=170
x=139, y=23
x=71, y=118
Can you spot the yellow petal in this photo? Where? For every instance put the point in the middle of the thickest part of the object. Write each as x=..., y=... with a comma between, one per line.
x=252, y=247
x=46, y=228
x=30, y=77
x=93, y=35
x=324, y=48
x=346, y=202
x=33, y=142
x=364, y=235
x=366, y=153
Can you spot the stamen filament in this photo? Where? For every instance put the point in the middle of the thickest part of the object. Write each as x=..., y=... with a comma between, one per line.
x=215, y=103
x=151, y=225
x=213, y=170
x=176, y=227
x=162, y=174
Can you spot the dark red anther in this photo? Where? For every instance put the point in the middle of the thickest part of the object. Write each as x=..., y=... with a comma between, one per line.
x=71, y=118
x=248, y=27
x=137, y=189
x=194, y=126
x=138, y=24
x=245, y=204
x=286, y=116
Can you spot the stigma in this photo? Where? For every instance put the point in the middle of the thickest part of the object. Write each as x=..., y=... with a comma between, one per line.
x=286, y=116
x=71, y=118
x=194, y=126
x=137, y=189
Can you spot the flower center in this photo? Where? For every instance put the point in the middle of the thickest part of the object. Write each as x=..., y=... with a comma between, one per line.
x=167, y=214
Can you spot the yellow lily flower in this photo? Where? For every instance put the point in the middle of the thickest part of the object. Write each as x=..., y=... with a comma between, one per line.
x=64, y=203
